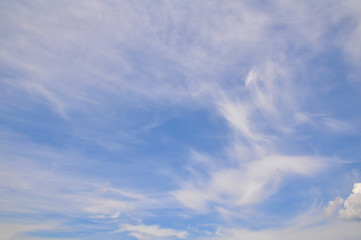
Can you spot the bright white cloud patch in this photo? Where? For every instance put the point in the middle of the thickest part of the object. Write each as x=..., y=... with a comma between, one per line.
x=333, y=206
x=349, y=209
x=352, y=205
x=151, y=232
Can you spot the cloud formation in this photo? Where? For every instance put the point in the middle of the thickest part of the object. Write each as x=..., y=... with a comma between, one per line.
x=246, y=184
x=351, y=208
x=179, y=112
x=352, y=204
x=151, y=231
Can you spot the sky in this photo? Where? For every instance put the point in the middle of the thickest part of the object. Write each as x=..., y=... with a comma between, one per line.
x=163, y=120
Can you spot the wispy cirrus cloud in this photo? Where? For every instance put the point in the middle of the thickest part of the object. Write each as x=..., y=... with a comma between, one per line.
x=116, y=111
x=247, y=184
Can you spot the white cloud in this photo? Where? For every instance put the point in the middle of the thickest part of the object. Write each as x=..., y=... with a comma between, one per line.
x=352, y=206
x=238, y=115
x=100, y=58
x=333, y=206
x=349, y=209
x=103, y=207
x=264, y=109
x=193, y=198
x=151, y=232
x=269, y=86
x=250, y=183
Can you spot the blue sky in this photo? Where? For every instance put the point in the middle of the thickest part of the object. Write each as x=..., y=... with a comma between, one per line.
x=180, y=120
